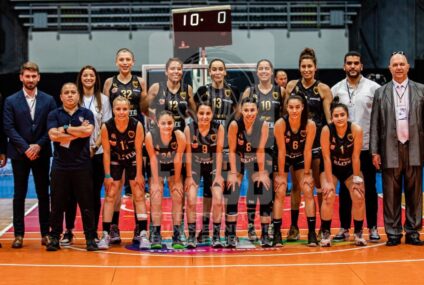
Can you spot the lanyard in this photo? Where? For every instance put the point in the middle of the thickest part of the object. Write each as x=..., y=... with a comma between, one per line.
x=348, y=92
x=89, y=105
x=400, y=96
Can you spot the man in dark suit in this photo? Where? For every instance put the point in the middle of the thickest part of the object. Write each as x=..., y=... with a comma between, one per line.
x=25, y=125
x=397, y=146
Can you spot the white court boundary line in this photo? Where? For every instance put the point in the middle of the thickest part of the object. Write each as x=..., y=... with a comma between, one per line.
x=8, y=227
x=212, y=265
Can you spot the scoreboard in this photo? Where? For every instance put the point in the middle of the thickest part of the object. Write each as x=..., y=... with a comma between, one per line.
x=202, y=27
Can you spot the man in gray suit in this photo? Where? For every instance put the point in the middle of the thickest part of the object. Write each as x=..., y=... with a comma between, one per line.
x=397, y=146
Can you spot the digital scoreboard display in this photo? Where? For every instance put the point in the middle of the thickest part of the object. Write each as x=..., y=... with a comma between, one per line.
x=202, y=27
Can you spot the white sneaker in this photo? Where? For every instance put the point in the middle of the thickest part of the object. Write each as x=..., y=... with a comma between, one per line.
x=342, y=235
x=144, y=241
x=325, y=239
x=359, y=240
x=115, y=236
x=104, y=241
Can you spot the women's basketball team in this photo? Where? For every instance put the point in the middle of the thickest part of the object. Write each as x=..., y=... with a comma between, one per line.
x=170, y=134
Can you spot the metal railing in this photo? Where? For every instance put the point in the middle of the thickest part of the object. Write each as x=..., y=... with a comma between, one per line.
x=85, y=17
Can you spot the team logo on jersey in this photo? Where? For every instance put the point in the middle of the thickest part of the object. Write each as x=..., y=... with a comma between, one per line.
x=114, y=89
x=227, y=92
x=135, y=83
x=157, y=147
x=316, y=90
x=275, y=95
x=131, y=134
x=213, y=137
x=296, y=90
x=287, y=140
x=112, y=142
x=81, y=119
x=334, y=140
x=183, y=95
x=303, y=133
x=350, y=137
x=162, y=101
x=174, y=145
x=332, y=146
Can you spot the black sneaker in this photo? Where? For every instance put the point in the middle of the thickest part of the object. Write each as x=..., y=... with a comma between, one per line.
x=216, y=242
x=277, y=239
x=203, y=237
x=266, y=241
x=67, y=238
x=156, y=241
x=230, y=241
x=136, y=237
x=191, y=242
x=52, y=244
x=312, y=239
x=251, y=233
x=91, y=245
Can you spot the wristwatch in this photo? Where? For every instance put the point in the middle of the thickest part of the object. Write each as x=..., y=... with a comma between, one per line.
x=65, y=128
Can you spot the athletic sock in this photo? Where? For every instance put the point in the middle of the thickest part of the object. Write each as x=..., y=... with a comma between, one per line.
x=311, y=223
x=358, y=225
x=251, y=215
x=294, y=217
x=191, y=229
x=216, y=229
x=115, y=218
x=277, y=225
x=231, y=228
x=205, y=223
x=325, y=225
x=265, y=228
x=106, y=227
x=142, y=225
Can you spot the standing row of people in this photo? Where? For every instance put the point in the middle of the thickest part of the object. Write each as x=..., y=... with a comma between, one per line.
x=271, y=131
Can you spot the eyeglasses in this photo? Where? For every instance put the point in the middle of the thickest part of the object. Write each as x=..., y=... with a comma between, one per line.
x=398, y=52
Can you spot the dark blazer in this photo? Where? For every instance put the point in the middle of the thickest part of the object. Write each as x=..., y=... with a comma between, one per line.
x=383, y=135
x=3, y=140
x=21, y=130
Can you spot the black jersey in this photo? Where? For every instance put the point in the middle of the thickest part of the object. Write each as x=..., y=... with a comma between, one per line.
x=224, y=101
x=247, y=144
x=315, y=103
x=164, y=153
x=341, y=149
x=269, y=105
x=177, y=103
x=203, y=148
x=295, y=142
x=122, y=144
x=132, y=91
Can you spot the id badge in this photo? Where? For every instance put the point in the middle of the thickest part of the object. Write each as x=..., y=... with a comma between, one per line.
x=402, y=113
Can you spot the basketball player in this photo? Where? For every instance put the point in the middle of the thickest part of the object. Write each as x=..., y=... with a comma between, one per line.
x=341, y=143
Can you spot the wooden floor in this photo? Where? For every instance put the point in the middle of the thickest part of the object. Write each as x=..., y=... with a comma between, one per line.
x=293, y=264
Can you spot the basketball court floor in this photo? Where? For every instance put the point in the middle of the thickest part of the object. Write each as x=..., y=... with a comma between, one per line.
x=343, y=263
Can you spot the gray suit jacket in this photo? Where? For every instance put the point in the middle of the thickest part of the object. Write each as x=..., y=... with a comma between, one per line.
x=383, y=136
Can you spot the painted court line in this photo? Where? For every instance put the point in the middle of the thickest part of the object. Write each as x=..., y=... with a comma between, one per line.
x=11, y=224
x=326, y=264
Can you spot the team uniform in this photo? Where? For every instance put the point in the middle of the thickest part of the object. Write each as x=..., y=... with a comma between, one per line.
x=269, y=110
x=122, y=150
x=341, y=150
x=203, y=160
x=316, y=111
x=165, y=153
x=176, y=103
x=130, y=90
x=246, y=147
x=295, y=146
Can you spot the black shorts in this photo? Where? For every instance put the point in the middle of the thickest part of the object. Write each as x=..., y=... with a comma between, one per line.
x=342, y=173
x=117, y=168
x=206, y=171
x=296, y=162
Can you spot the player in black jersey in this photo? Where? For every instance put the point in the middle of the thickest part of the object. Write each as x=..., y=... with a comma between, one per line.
x=247, y=139
x=341, y=143
x=205, y=140
x=224, y=98
x=294, y=135
x=270, y=100
x=318, y=96
x=165, y=146
x=134, y=89
x=122, y=140
x=173, y=95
